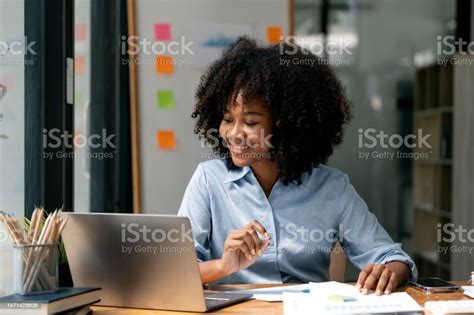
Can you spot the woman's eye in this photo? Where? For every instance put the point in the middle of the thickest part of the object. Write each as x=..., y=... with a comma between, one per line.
x=227, y=120
x=251, y=123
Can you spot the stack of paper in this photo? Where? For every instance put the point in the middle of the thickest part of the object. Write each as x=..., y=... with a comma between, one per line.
x=338, y=298
x=275, y=294
x=270, y=294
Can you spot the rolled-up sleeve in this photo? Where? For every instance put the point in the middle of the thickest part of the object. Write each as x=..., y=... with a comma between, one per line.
x=196, y=206
x=362, y=236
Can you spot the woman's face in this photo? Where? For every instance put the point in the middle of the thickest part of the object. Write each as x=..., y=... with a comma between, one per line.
x=246, y=129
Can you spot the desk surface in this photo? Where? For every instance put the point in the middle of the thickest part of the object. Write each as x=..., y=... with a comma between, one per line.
x=274, y=308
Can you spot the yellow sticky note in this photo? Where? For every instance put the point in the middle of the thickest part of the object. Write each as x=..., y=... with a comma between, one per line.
x=165, y=139
x=80, y=64
x=164, y=65
x=274, y=34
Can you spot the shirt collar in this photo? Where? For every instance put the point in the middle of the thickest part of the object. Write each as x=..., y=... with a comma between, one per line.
x=234, y=174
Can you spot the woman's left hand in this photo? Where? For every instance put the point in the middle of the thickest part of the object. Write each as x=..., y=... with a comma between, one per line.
x=383, y=278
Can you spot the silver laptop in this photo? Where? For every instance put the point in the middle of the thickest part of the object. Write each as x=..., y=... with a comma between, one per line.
x=139, y=261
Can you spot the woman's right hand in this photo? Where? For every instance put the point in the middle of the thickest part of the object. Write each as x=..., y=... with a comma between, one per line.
x=242, y=247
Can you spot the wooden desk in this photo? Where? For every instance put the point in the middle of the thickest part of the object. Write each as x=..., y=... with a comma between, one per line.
x=276, y=308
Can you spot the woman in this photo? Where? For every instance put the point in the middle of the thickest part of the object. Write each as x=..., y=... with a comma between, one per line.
x=269, y=210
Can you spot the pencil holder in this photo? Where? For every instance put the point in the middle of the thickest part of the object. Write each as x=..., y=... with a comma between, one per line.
x=35, y=268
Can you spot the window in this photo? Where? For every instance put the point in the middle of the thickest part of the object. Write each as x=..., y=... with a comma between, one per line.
x=12, y=124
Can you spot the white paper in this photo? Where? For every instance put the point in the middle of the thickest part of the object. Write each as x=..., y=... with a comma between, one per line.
x=339, y=298
x=279, y=289
x=275, y=294
x=268, y=297
x=469, y=290
x=270, y=294
x=211, y=38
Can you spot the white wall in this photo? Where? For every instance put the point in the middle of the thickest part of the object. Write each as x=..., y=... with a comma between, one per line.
x=166, y=173
x=82, y=16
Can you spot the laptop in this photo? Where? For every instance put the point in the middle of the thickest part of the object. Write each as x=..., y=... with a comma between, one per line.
x=139, y=261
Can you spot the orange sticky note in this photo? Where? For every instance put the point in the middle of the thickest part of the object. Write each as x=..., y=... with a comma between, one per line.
x=79, y=65
x=273, y=34
x=165, y=139
x=164, y=65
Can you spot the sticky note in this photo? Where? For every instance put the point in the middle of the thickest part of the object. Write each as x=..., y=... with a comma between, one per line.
x=273, y=34
x=165, y=139
x=78, y=99
x=162, y=31
x=8, y=82
x=165, y=99
x=164, y=65
x=76, y=141
x=79, y=65
x=80, y=32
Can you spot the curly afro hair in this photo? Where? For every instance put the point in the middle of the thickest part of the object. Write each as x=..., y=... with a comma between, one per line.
x=307, y=101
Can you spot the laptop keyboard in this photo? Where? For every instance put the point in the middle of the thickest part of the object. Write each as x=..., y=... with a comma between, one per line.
x=211, y=302
x=214, y=300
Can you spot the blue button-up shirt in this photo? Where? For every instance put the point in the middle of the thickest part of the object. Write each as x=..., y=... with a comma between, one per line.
x=304, y=222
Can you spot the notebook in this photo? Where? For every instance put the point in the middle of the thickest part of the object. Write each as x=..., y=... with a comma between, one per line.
x=64, y=299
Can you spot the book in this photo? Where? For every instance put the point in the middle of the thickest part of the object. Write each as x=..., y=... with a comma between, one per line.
x=63, y=300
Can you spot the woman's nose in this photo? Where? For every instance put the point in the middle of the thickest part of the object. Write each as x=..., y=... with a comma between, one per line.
x=236, y=134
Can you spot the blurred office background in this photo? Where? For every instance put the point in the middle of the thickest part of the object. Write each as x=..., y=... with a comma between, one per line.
x=390, y=76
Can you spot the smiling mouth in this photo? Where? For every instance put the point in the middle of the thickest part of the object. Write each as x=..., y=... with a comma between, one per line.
x=238, y=148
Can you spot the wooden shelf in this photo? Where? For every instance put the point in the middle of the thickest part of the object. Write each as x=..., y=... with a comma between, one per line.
x=427, y=207
x=430, y=209
x=442, y=182
x=434, y=111
x=444, y=162
x=432, y=176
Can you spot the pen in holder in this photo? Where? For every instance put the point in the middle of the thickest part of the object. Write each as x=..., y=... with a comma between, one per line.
x=35, y=251
x=35, y=268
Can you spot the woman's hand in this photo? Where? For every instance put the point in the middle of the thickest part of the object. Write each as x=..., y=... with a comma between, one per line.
x=242, y=247
x=383, y=278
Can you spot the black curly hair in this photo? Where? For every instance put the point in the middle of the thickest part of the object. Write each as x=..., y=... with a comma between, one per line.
x=307, y=101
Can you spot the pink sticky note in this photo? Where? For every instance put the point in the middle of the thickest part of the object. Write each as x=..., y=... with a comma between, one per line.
x=162, y=31
x=7, y=81
x=80, y=30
